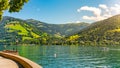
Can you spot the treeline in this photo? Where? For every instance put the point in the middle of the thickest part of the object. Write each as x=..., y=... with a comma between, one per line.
x=105, y=32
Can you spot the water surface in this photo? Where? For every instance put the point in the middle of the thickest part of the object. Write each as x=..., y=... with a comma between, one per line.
x=72, y=56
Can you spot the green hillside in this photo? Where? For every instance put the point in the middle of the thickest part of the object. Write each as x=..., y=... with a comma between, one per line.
x=105, y=32
x=22, y=29
x=62, y=29
x=12, y=29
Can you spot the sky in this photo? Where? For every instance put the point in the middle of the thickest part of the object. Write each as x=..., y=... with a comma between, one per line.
x=68, y=11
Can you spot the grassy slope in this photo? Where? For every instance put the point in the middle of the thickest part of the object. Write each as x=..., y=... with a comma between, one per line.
x=21, y=30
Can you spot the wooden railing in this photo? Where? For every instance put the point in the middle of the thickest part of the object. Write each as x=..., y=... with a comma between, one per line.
x=21, y=60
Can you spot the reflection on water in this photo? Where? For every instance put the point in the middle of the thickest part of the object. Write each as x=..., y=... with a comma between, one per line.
x=72, y=56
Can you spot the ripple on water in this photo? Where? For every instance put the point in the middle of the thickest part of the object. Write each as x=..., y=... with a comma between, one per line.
x=98, y=62
x=103, y=66
x=91, y=59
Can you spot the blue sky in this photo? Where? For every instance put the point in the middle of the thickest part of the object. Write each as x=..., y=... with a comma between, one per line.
x=68, y=11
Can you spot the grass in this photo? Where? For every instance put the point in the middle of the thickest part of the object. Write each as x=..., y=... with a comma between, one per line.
x=35, y=35
x=17, y=27
x=115, y=30
x=24, y=31
x=26, y=38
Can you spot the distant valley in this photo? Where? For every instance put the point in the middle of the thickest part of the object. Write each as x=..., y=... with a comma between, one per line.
x=104, y=32
x=35, y=32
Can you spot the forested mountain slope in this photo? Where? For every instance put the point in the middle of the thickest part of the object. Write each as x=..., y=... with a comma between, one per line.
x=102, y=32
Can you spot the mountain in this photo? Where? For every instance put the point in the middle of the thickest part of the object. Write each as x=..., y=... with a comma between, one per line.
x=62, y=29
x=102, y=32
x=34, y=32
x=13, y=30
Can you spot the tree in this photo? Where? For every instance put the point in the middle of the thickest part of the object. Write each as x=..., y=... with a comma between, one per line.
x=11, y=6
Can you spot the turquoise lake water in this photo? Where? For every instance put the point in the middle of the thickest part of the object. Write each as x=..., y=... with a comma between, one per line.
x=72, y=56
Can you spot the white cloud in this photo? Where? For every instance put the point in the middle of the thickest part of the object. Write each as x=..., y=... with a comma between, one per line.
x=89, y=18
x=103, y=6
x=96, y=11
x=115, y=9
x=101, y=12
x=74, y=22
x=93, y=18
x=77, y=22
x=105, y=11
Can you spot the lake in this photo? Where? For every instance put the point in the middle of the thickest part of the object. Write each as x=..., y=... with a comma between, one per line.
x=71, y=56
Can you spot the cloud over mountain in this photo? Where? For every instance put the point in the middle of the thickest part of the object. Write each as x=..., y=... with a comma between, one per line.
x=101, y=12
